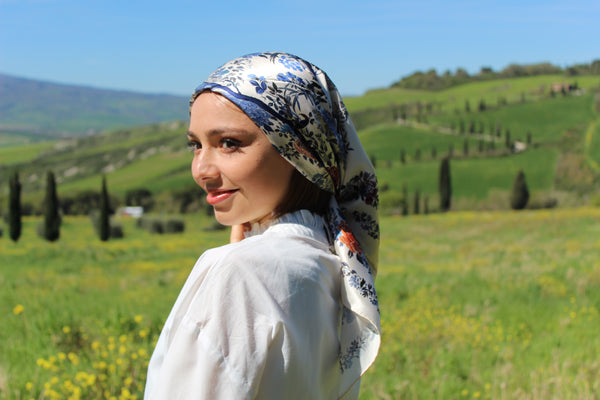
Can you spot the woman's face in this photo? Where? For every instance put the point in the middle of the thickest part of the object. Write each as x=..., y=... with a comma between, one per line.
x=244, y=177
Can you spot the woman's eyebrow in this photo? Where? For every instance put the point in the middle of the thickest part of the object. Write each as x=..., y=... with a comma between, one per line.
x=220, y=131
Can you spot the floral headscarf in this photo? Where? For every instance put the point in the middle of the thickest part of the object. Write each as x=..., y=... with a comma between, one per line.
x=300, y=110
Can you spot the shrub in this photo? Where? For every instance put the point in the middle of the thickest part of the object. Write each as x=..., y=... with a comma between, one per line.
x=156, y=225
x=520, y=193
x=139, y=197
x=174, y=226
x=116, y=231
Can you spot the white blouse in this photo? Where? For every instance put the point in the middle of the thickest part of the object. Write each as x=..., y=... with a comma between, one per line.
x=258, y=319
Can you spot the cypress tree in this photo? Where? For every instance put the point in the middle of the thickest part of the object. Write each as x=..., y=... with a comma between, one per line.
x=507, y=141
x=51, y=215
x=417, y=202
x=466, y=148
x=481, y=105
x=104, y=222
x=14, y=208
x=520, y=193
x=445, y=186
x=471, y=127
x=404, y=200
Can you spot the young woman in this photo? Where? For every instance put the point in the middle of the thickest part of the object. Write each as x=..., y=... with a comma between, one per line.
x=288, y=309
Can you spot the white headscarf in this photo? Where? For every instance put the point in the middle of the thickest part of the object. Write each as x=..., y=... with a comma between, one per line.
x=300, y=110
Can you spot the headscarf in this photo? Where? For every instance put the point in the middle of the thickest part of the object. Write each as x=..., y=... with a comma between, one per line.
x=301, y=111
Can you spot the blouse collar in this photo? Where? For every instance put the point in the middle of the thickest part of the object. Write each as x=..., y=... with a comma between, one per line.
x=301, y=221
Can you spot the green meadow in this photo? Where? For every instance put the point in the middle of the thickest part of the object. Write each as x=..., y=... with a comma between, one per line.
x=474, y=305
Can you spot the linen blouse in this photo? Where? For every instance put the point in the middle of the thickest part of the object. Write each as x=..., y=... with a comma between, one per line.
x=257, y=319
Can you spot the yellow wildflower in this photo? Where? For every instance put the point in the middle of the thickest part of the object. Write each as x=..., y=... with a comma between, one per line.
x=18, y=309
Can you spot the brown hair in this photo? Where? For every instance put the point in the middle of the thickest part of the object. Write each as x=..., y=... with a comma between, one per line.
x=302, y=194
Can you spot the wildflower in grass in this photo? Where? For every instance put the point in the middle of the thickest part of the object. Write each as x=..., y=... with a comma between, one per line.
x=18, y=309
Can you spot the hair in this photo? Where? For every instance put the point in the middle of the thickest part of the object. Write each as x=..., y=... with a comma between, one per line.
x=302, y=194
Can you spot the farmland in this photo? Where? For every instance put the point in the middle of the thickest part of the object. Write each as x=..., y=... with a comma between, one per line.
x=500, y=305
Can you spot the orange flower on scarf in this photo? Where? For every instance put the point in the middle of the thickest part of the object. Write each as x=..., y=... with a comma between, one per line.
x=350, y=241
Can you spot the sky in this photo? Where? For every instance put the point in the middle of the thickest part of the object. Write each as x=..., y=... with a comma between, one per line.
x=171, y=46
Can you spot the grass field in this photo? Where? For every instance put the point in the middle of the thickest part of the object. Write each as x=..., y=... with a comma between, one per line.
x=492, y=305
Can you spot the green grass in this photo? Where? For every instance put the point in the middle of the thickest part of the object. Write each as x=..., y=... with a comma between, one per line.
x=546, y=119
x=23, y=153
x=490, y=305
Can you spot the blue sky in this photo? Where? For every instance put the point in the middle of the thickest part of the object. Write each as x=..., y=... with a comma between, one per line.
x=171, y=46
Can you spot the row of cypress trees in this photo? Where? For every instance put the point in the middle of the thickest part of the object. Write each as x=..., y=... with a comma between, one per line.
x=50, y=228
x=519, y=196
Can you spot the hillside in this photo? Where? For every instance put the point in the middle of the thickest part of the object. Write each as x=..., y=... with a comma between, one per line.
x=31, y=110
x=554, y=139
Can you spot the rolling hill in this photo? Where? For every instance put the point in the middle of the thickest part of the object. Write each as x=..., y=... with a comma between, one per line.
x=554, y=139
x=32, y=110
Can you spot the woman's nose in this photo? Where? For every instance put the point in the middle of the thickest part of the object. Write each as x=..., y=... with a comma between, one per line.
x=203, y=167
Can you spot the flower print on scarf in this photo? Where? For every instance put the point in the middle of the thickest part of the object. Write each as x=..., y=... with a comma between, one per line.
x=348, y=239
x=300, y=148
x=291, y=63
x=259, y=82
x=363, y=186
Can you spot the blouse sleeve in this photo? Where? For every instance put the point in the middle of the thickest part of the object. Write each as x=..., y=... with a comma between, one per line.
x=218, y=348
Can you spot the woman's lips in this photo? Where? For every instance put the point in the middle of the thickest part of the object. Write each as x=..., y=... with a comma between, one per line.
x=218, y=196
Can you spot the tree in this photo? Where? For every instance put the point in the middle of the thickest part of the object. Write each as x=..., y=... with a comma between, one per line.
x=14, y=207
x=520, y=193
x=482, y=105
x=445, y=187
x=139, y=197
x=507, y=141
x=466, y=148
x=51, y=227
x=471, y=127
x=104, y=217
x=417, y=201
x=403, y=156
x=404, y=200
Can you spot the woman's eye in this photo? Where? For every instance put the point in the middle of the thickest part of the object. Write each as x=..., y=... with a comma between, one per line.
x=193, y=146
x=230, y=144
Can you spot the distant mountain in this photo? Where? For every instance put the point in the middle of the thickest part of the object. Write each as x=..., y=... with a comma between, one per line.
x=39, y=109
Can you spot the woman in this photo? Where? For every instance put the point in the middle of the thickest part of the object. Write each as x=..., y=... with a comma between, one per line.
x=288, y=309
